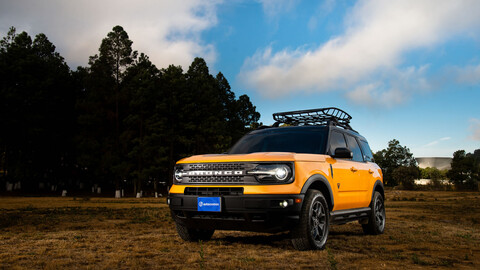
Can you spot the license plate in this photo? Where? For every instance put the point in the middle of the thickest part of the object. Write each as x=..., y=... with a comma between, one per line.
x=209, y=204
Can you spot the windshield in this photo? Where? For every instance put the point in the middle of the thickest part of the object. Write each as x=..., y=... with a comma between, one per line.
x=307, y=141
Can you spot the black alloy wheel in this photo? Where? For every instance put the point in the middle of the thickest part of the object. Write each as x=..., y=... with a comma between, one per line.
x=318, y=222
x=377, y=218
x=312, y=231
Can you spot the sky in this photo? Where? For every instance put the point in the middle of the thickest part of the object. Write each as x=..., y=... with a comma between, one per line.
x=405, y=70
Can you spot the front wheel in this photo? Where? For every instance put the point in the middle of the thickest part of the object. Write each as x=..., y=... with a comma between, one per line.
x=312, y=230
x=193, y=235
x=376, y=220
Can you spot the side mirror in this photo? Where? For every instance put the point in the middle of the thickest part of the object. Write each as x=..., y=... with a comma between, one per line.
x=343, y=152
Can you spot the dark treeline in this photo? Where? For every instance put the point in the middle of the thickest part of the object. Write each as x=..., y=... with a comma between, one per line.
x=119, y=123
x=399, y=167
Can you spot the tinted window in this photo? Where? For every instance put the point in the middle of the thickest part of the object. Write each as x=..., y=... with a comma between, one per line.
x=353, y=146
x=367, y=152
x=336, y=140
x=305, y=141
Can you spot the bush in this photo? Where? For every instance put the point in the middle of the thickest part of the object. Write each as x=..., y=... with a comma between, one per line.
x=406, y=176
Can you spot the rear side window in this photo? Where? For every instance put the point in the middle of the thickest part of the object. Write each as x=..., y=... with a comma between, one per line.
x=367, y=152
x=353, y=146
x=336, y=140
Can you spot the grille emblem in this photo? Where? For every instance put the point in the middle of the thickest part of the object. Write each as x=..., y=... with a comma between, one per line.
x=214, y=173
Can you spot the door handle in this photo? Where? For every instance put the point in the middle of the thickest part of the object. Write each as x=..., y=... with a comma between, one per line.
x=370, y=171
x=353, y=169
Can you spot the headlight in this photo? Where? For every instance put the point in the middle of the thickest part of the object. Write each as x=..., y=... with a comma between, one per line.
x=178, y=175
x=280, y=173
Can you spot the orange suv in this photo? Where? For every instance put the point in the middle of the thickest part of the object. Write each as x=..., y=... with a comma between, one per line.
x=303, y=176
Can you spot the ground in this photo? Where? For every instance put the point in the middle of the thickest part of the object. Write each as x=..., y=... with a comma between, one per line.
x=424, y=229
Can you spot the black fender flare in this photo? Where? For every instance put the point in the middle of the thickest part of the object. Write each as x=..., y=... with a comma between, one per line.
x=319, y=179
x=378, y=185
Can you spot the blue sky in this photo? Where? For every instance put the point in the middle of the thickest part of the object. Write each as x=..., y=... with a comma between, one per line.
x=408, y=70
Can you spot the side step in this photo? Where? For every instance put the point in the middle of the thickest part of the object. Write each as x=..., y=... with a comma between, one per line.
x=344, y=216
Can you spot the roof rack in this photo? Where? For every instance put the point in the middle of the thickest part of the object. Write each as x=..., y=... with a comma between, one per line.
x=322, y=116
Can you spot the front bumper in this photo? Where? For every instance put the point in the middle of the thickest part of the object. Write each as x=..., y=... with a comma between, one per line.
x=262, y=213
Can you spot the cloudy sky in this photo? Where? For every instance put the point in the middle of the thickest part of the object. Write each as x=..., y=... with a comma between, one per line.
x=408, y=70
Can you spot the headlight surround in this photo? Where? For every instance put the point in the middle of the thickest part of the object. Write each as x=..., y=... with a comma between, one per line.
x=178, y=174
x=277, y=173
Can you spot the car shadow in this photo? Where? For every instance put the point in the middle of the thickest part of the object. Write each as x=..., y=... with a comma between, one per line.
x=278, y=240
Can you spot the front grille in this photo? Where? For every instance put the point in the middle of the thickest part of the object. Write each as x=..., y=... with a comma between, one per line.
x=216, y=166
x=209, y=191
x=215, y=179
x=230, y=173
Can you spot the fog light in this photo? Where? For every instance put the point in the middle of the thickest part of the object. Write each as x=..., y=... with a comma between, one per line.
x=168, y=201
x=283, y=204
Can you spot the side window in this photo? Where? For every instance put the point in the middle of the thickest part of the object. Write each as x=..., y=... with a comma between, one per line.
x=353, y=146
x=336, y=140
x=367, y=152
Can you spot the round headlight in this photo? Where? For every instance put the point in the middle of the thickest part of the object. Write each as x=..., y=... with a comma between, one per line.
x=281, y=173
x=178, y=175
x=268, y=172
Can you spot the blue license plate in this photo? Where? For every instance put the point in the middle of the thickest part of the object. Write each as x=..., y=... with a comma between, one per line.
x=209, y=204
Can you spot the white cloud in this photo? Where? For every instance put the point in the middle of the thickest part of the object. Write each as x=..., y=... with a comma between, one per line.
x=377, y=34
x=468, y=75
x=396, y=87
x=167, y=31
x=273, y=8
x=437, y=141
x=475, y=129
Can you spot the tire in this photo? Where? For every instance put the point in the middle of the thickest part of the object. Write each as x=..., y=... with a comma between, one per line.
x=312, y=231
x=377, y=218
x=192, y=234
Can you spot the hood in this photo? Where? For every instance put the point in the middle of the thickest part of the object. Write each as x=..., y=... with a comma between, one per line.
x=264, y=156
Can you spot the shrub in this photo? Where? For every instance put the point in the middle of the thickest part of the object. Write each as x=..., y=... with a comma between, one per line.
x=406, y=176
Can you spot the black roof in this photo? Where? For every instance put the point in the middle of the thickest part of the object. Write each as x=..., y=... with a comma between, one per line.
x=288, y=129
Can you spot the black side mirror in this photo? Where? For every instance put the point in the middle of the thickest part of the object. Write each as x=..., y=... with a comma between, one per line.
x=343, y=152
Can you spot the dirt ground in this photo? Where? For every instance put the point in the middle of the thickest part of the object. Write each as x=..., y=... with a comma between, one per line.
x=425, y=229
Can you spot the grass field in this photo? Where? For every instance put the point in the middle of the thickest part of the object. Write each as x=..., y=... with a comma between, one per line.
x=424, y=230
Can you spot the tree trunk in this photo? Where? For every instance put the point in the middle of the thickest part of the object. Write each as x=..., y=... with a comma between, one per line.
x=155, y=187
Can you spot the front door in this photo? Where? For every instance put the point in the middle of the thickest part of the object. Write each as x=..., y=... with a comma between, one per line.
x=349, y=174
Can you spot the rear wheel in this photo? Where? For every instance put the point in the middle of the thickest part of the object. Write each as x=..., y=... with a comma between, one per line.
x=312, y=231
x=193, y=235
x=376, y=220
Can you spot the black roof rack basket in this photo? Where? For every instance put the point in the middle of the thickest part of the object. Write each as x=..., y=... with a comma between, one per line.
x=322, y=116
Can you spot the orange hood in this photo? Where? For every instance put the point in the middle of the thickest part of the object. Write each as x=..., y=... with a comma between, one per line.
x=264, y=156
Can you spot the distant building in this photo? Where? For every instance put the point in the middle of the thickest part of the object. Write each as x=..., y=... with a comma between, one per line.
x=441, y=163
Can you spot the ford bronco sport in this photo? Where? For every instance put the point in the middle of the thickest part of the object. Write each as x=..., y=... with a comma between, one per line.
x=313, y=171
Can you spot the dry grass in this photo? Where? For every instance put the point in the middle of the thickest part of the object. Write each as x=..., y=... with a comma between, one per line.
x=424, y=229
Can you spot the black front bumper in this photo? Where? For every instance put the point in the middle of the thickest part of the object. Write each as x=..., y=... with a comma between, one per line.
x=261, y=213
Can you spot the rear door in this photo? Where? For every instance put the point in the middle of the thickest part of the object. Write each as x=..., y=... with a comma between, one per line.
x=372, y=169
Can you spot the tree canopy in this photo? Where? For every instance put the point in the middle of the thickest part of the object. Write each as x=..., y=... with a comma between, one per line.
x=117, y=121
x=465, y=169
x=393, y=157
x=37, y=101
